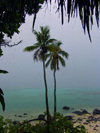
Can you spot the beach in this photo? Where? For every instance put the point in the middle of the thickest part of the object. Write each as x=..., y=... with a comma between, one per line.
x=92, y=126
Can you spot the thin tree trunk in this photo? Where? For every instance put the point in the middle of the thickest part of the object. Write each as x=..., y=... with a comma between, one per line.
x=54, y=94
x=46, y=92
x=34, y=19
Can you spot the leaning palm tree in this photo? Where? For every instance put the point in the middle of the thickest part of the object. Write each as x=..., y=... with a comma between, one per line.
x=54, y=57
x=40, y=49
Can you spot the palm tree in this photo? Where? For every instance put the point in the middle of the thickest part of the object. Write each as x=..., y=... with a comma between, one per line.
x=54, y=57
x=40, y=49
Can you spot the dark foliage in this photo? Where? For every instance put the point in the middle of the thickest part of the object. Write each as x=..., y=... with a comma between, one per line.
x=62, y=125
x=12, y=13
x=84, y=8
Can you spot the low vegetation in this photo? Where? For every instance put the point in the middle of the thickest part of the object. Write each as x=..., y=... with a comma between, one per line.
x=61, y=125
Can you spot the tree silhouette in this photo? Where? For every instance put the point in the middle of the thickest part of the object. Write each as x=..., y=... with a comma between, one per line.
x=13, y=13
x=54, y=58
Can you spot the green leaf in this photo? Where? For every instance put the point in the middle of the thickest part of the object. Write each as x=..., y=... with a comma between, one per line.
x=64, y=53
x=48, y=62
x=3, y=71
x=51, y=40
x=30, y=48
x=61, y=61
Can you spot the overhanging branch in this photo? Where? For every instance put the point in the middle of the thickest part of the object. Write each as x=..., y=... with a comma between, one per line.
x=7, y=44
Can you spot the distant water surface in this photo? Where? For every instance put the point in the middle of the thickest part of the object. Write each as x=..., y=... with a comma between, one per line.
x=32, y=101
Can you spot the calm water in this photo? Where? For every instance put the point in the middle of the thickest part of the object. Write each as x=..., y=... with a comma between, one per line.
x=32, y=101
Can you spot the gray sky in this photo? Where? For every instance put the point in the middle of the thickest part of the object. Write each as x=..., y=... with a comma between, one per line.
x=82, y=68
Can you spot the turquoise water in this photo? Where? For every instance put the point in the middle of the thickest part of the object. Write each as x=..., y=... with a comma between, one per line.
x=32, y=101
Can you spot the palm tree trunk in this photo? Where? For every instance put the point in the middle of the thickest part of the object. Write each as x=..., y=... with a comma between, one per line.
x=54, y=94
x=46, y=92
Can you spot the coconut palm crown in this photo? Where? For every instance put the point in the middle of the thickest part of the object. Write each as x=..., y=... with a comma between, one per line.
x=43, y=43
x=55, y=56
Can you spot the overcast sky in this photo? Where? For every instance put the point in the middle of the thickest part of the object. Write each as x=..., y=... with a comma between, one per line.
x=82, y=68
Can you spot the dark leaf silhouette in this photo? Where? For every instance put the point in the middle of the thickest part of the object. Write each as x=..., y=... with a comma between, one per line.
x=1, y=53
x=3, y=71
x=85, y=9
x=2, y=99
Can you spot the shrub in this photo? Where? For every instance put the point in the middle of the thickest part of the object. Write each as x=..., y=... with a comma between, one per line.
x=60, y=125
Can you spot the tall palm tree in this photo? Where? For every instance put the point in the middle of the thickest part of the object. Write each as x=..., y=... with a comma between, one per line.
x=54, y=57
x=40, y=49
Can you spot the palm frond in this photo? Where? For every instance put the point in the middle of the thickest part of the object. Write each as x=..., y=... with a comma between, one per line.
x=35, y=33
x=3, y=71
x=38, y=36
x=53, y=63
x=53, y=48
x=62, y=61
x=48, y=62
x=52, y=41
x=36, y=54
x=64, y=54
x=42, y=29
x=58, y=43
x=30, y=48
x=45, y=30
x=47, y=56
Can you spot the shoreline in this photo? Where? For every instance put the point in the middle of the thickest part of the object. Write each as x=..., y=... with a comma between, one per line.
x=33, y=114
x=90, y=121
